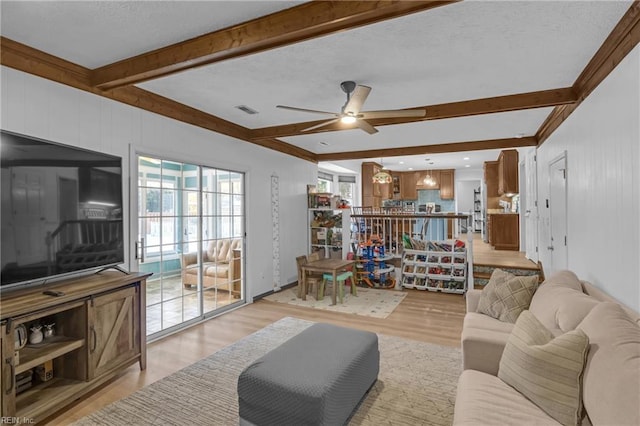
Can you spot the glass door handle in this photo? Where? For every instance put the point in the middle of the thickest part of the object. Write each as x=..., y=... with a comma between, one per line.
x=140, y=250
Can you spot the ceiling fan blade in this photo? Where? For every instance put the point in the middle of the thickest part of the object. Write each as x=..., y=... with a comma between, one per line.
x=393, y=113
x=366, y=126
x=356, y=100
x=325, y=123
x=314, y=111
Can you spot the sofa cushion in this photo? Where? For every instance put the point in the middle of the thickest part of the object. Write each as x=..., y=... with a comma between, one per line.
x=545, y=369
x=564, y=278
x=222, y=250
x=485, y=322
x=482, y=348
x=612, y=372
x=220, y=270
x=560, y=307
x=483, y=399
x=506, y=295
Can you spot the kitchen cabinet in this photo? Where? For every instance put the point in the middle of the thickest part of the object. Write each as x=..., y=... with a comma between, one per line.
x=504, y=231
x=408, y=188
x=508, y=172
x=491, y=181
x=371, y=192
x=447, y=191
x=386, y=190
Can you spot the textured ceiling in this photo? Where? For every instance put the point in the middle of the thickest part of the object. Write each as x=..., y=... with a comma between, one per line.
x=461, y=51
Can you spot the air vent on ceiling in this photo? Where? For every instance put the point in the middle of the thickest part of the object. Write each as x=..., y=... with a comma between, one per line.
x=246, y=109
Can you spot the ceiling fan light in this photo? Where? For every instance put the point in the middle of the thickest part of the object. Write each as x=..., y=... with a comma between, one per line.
x=348, y=119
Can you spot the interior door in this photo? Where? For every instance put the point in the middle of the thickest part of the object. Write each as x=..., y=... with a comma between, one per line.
x=558, y=213
x=29, y=218
x=530, y=207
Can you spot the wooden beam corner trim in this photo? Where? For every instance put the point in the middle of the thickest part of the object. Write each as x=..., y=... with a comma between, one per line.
x=432, y=149
x=20, y=56
x=298, y=23
x=497, y=104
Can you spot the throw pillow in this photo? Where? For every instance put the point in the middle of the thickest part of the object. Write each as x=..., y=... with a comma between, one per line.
x=506, y=295
x=546, y=370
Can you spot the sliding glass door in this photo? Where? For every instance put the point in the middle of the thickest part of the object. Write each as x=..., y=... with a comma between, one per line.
x=191, y=237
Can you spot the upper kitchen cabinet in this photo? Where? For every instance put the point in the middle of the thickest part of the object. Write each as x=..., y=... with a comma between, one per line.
x=447, y=191
x=374, y=193
x=508, y=172
x=491, y=172
x=408, y=189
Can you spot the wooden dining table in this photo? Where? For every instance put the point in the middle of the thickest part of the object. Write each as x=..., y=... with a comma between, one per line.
x=332, y=266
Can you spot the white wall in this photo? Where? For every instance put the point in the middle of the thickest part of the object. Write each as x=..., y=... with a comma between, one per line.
x=44, y=109
x=601, y=139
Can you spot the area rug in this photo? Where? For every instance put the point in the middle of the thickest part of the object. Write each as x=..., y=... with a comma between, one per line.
x=416, y=385
x=369, y=301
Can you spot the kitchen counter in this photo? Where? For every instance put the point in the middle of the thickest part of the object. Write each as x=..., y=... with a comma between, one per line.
x=499, y=211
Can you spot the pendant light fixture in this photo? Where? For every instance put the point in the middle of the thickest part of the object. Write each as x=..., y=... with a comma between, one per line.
x=383, y=176
x=428, y=180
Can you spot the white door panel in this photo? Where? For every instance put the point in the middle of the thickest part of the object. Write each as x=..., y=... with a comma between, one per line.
x=530, y=209
x=558, y=213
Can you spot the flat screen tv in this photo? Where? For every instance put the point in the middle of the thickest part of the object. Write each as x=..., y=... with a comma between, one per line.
x=61, y=211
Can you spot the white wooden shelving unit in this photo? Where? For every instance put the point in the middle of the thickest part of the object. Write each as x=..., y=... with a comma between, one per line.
x=333, y=240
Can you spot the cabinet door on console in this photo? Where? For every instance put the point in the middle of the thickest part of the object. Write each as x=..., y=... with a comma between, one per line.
x=7, y=371
x=114, y=334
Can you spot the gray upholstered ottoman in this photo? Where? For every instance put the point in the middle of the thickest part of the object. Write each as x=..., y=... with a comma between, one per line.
x=317, y=377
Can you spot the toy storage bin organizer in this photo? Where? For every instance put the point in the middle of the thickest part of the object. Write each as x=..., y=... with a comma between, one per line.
x=442, y=266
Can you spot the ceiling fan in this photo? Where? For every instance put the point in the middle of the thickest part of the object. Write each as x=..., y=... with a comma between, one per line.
x=350, y=112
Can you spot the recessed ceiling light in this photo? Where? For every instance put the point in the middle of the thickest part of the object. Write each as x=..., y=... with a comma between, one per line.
x=467, y=165
x=410, y=168
x=466, y=158
x=401, y=162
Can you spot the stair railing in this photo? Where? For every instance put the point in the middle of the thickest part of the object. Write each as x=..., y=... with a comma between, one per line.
x=394, y=225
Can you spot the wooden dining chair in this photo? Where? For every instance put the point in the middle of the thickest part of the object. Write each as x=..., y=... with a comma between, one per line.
x=313, y=279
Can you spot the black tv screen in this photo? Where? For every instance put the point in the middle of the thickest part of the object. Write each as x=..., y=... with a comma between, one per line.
x=61, y=210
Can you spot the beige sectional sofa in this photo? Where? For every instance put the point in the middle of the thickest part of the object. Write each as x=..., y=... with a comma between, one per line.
x=610, y=381
x=218, y=265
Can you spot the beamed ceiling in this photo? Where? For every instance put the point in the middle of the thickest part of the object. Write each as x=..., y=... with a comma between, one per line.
x=489, y=74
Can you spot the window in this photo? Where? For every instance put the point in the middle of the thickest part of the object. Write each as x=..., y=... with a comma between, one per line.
x=347, y=187
x=325, y=182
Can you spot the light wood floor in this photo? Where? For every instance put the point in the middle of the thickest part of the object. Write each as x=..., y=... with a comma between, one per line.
x=484, y=254
x=425, y=316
